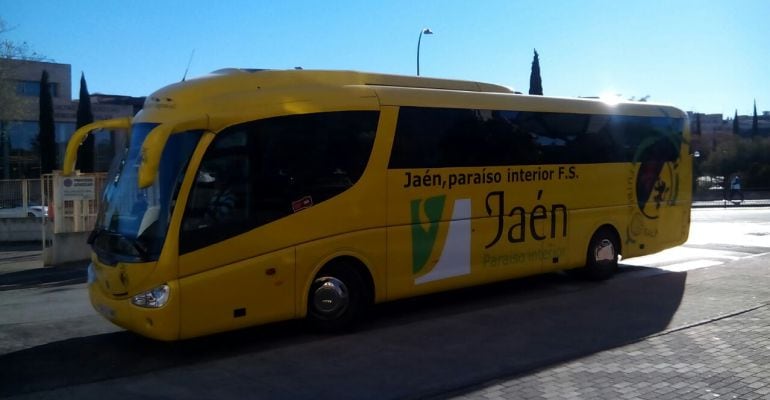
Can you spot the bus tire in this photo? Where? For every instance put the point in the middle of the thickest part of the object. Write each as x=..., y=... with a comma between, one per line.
x=602, y=255
x=336, y=299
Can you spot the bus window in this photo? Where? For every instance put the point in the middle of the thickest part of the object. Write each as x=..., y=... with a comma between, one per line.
x=478, y=138
x=260, y=171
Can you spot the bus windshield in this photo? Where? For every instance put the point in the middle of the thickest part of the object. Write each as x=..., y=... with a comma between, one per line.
x=132, y=221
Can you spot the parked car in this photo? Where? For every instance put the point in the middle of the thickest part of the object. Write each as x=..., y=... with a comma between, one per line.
x=19, y=212
x=37, y=211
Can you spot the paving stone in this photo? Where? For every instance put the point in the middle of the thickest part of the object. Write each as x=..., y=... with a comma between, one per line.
x=725, y=359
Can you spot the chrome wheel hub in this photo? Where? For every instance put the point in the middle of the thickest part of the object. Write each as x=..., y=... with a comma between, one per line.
x=330, y=299
x=604, y=252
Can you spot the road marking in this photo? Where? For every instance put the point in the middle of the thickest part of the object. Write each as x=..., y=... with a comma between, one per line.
x=684, y=258
x=691, y=265
x=756, y=255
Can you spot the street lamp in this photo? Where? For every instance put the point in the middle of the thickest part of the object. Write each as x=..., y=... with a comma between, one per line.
x=425, y=31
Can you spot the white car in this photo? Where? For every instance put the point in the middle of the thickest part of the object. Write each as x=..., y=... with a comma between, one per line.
x=18, y=212
x=37, y=211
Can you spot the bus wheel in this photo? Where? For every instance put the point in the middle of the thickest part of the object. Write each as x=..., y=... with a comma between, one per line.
x=336, y=299
x=602, y=257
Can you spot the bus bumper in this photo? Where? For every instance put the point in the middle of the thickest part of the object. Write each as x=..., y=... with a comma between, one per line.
x=156, y=323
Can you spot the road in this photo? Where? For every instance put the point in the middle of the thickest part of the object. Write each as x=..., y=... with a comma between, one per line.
x=472, y=343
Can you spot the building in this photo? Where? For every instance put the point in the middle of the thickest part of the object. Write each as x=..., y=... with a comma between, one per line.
x=19, y=155
x=709, y=123
x=714, y=124
x=745, y=123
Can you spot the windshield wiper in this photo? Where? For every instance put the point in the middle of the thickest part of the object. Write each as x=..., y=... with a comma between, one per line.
x=140, y=248
x=136, y=244
x=92, y=236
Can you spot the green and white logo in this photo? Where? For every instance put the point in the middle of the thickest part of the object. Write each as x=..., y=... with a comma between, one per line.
x=455, y=258
x=423, y=239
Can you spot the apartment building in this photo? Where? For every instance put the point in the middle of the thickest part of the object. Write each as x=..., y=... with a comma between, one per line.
x=19, y=154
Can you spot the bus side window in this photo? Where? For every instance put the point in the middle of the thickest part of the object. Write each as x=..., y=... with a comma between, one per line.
x=219, y=201
x=257, y=172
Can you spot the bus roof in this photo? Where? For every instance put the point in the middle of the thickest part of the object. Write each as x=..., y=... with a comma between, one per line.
x=232, y=83
x=332, y=77
x=230, y=96
x=233, y=79
x=289, y=91
x=501, y=101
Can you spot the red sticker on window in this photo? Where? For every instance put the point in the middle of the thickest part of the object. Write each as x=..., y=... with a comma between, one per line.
x=301, y=204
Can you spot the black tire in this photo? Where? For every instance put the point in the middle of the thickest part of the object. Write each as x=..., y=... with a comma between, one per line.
x=336, y=300
x=602, y=255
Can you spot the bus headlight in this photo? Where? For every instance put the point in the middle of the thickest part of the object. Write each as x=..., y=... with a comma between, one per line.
x=153, y=298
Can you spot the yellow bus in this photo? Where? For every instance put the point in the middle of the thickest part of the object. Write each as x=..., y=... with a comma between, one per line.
x=251, y=196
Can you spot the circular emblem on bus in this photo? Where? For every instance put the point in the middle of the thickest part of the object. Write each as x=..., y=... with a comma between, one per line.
x=67, y=182
x=654, y=180
x=654, y=187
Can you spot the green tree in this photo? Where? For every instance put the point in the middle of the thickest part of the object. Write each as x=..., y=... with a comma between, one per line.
x=749, y=158
x=697, y=124
x=12, y=56
x=47, y=135
x=755, y=122
x=535, y=82
x=736, y=126
x=84, y=117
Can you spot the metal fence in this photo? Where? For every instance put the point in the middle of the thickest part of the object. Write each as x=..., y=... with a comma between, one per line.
x=718, y=197
x=18, y=195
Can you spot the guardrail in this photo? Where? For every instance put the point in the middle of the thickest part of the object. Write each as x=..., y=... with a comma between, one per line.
x=18, y=196
x=723, y=198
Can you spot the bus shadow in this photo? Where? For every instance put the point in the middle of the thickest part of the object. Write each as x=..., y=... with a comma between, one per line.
x=123, y=354
x=408, y=349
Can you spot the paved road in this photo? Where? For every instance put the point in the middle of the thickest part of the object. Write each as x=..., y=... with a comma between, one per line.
x=725, y=358
x=716, y=346
x=686, y=323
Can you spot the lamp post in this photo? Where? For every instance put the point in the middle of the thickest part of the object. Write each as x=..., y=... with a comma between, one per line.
x=425, y=31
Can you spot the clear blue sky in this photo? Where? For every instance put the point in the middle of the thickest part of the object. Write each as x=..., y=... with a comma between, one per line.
x=709, y=56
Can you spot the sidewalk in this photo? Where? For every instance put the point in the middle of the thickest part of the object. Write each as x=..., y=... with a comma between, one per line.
x=727, y=358
x=729, y=204
x=717, y=346
x=21, y=266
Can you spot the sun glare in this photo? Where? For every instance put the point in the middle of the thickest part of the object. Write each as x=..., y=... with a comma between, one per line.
x=610, y=98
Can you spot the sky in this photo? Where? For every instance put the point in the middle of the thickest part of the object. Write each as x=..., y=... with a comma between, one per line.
x=706, y=56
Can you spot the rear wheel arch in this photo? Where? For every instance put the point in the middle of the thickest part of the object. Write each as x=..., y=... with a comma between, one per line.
x=602, y=253
x=355, y=264
x=611, y=228
x=339, y=294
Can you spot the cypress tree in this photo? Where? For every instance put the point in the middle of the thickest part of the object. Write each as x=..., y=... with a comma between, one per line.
x=85, y=116
x=535, y=82
x=697, y=124
x=755, y=122
x=736, y=127
x=47, y=134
